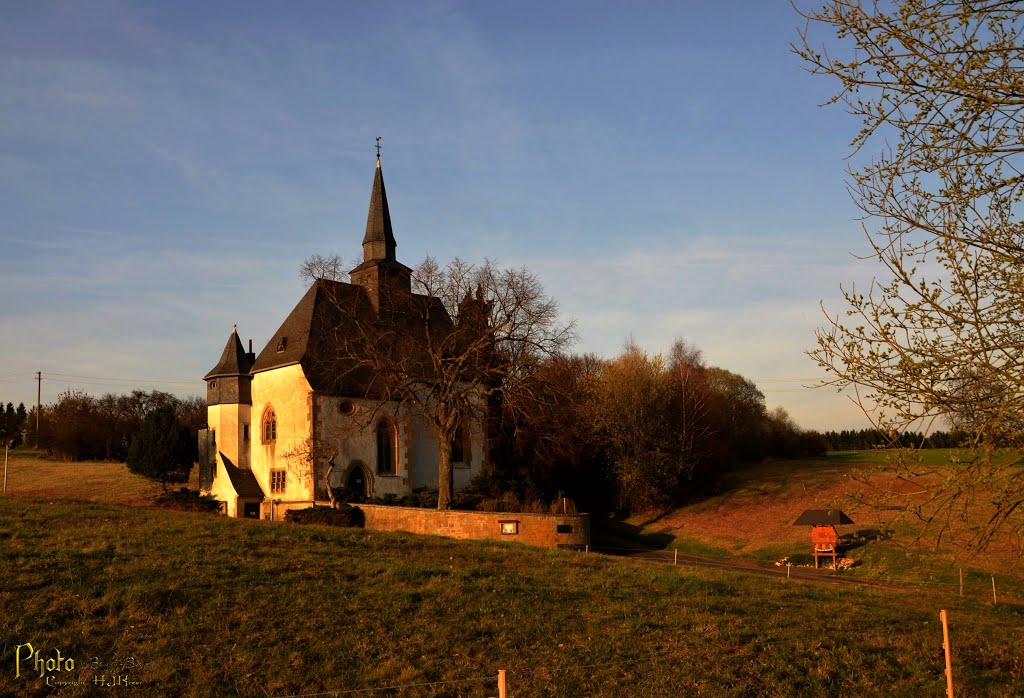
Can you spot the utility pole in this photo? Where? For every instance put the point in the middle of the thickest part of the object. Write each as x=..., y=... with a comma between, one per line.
x=39, y=402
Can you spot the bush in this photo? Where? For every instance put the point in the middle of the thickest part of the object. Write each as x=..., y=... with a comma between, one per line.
x=465, y=501
x=344, y=516
x=164, y=450
x=425, y=498
x=346, y=494
x=471, y=499
x=184, y=499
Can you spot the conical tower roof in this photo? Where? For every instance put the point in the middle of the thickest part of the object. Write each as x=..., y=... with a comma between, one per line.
x=234, y=361
x=379, y=241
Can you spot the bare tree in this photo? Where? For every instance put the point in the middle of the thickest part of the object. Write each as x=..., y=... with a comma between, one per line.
x=316, y=266
x=467, y=336
x=939, y=336
x=691, y=406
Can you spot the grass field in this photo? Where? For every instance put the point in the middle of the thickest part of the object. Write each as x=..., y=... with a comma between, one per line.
x=31, y=473
x=208, y=606
x=212, y=606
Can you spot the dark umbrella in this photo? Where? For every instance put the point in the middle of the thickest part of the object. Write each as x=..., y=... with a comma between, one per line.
x=823, y=517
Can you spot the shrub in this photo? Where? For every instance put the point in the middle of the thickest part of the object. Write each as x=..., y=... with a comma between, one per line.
x=184, y=499
x=465, y=501
x=344, y=516
x=425, y=498
x=562, y=505
x=164, y=450
x=346, y=494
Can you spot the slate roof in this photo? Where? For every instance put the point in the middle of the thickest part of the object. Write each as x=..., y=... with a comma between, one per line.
x=378, y=220
x=316, y=315
x=823, y=517
x=311, y=334
x=243, y=481
x=234, y=361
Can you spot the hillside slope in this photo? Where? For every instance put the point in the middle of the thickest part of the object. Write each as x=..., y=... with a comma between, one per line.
x=752, y=518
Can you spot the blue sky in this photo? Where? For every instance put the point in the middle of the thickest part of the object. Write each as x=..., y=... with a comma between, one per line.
x=663, y=166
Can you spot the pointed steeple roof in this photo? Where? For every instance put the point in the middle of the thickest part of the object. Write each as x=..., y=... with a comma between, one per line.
x=379, y=241
x=234, y=361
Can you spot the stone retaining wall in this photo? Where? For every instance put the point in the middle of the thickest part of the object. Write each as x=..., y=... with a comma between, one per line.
x=551, y=530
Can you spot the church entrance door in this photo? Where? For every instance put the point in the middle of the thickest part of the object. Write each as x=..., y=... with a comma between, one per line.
x=357, y=483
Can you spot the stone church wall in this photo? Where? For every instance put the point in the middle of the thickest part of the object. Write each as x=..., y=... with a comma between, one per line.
x=352, y=440
x=550, y=530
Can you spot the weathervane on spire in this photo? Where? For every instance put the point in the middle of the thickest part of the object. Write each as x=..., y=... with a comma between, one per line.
x=378, y=147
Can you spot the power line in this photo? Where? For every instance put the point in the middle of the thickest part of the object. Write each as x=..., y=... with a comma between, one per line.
x=125, y=380
x=125, y=386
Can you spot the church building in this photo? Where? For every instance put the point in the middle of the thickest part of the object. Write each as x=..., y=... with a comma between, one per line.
x=288, y=423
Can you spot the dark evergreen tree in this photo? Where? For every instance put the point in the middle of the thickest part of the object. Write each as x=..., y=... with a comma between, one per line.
x=164, y=449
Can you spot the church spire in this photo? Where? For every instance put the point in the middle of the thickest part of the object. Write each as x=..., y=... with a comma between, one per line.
x=379, y=241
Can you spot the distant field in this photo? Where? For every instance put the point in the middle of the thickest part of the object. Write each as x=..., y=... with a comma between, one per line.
x=30, y=473
x=209, y=606
x=753, y=518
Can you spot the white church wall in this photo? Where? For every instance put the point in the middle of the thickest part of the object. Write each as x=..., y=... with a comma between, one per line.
x=287, y=391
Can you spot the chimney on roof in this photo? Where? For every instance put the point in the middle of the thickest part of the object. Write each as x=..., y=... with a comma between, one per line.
x=251, y=355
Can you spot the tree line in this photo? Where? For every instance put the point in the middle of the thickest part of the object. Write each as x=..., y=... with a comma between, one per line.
x=12, y=424
x=638, y=430
x=79, y=426
x=867, y=439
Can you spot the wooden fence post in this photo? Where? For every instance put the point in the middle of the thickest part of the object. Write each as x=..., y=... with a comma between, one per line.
x=501, y=683
x=948, y=651
x=961, y=581
x=994, y=602
x=675, y=560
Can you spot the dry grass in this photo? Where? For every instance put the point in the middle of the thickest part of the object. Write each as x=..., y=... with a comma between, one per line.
x=760, y=505
x=753, y=516
x=31, y=473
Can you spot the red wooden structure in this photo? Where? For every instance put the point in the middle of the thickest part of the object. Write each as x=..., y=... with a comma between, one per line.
x=826, y=544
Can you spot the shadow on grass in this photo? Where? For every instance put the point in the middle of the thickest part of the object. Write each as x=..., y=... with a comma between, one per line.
x=621, y=534
x=852, y=541
x=856, y=457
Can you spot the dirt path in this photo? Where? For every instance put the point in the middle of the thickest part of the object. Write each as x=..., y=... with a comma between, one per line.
x=824, y=576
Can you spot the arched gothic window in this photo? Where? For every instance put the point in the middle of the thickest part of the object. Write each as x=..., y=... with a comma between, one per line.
x=269, y=425
x=387, y=448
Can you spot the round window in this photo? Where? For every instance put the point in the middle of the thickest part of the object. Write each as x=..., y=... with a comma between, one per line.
x=347, y=407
